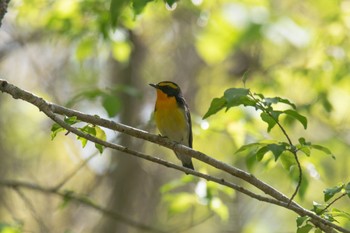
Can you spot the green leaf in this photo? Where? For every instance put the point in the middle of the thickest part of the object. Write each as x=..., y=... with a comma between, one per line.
x=275, y=100
x=71, y=120
x=89, y=130
x=238, y=96
x=271, y=121
x=170, y=2
x=111, y=104
x=100, y=134
x=245, y=77
x=329, y=217
x=302, y=141
x=305, y=229
x=323, y=149
x=287, y=159
x=318, y=208
x=301, y=220
x=55, y=129
x=250, y=146
x=261, y=152
x=276, y=149
x=330, y=192
x=294, y=114
x=261, y=96
x=340, y=213
x=115, y=10
x=139, y=5
x=216, y=105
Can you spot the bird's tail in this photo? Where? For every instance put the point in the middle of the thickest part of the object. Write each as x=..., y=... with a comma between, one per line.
x=188, y=165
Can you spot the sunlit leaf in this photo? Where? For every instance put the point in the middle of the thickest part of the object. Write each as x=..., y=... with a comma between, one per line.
x=323, y=149
x=340, y=213
x=100, y=134
x=301, y=220
x=89, y=130
x=305, y=229
x=294, y=114
x=216, y=105
x=83, y=141
x=71, y=120
x=55, y=129
x=330, y=192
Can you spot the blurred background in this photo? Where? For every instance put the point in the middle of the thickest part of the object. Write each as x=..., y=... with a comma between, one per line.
x=66, y=52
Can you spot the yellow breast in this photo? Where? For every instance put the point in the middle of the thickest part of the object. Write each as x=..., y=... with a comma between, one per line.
x=171, y=119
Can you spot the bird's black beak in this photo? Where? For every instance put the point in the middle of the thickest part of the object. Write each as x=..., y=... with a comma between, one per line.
x=153, y=85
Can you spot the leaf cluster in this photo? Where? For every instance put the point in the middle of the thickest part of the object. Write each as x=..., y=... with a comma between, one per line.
x=93, y=130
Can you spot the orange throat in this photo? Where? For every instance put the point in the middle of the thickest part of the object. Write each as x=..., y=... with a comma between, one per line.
x=164, y=101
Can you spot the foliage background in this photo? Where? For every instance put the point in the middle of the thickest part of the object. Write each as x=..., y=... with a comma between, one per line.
x=66, y=52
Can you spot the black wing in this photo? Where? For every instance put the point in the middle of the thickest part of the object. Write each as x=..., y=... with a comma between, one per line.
x=182, y=103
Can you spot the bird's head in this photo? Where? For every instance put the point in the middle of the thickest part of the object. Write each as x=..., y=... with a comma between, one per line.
x=166, y=87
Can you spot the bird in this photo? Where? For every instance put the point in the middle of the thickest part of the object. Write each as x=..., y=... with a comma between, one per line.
x=173, y=118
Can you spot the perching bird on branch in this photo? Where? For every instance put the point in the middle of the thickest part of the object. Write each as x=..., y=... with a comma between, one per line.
x=173, y=117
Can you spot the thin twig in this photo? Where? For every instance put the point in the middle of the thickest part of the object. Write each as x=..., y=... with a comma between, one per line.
x=30, y=206
x=78, y=199
x=331, y=203
x=292, y=150
x=192, y=225
x=73, y=173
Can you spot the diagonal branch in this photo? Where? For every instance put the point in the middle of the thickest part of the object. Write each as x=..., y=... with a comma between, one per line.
x=280, y=199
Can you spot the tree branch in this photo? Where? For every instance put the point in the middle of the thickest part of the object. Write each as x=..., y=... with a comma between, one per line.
x=279, y=198
x=16, y=185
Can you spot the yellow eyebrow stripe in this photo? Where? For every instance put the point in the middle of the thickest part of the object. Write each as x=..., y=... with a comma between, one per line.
x=162, y=84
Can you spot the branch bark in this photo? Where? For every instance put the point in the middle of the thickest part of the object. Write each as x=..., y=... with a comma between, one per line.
x=53, y=111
